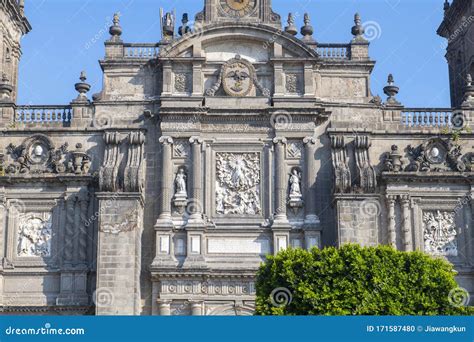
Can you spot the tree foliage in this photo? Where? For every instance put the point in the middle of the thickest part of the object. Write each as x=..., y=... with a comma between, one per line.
x=353, y=280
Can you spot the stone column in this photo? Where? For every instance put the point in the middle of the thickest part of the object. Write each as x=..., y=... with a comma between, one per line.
x=281, y=226
x=164, y=219
x=196, y=307
x=196, y=226
x=164, y=307
x=392, y=233
x=164, y=225
x=407, y=243
x=280, y=181
x=196, y=202
x=311, y=218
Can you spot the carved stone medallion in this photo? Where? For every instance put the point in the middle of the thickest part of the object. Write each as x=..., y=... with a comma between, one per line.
x=34, y=236
x=440, y=233
x=238, y=184
x=237, y=77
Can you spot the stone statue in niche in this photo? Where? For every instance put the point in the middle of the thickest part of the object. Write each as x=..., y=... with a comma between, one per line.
x=296, y=197
x=440, y=233
x=238, y=184
x=34, y=237
x=181, y=182
x=181, y=194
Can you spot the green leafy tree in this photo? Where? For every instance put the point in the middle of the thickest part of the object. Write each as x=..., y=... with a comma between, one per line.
x=353, y=280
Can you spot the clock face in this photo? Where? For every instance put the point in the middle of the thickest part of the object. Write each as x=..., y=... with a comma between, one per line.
x=238, y=8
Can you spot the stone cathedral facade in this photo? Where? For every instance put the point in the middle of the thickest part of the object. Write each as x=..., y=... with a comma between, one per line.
x=234, y=137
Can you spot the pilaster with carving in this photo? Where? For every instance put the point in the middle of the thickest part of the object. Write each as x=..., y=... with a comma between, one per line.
x=108, y=174
x=133, y=173
x=342, y=173
x=367, y=177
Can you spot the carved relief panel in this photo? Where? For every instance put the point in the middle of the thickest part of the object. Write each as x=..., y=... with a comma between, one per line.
x=34, y=235
x=32, y=230
x=440, y=233
x=238, y=184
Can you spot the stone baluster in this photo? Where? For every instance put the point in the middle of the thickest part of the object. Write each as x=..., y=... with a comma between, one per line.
x=392, y=233
x=166, y=182
x=405, y=200
x=311, y=218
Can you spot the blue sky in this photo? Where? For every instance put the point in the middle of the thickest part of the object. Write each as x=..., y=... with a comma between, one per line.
x=68, y=37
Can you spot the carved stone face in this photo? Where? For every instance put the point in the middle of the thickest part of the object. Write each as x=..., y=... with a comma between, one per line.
x=237, y=78
x=38, y=151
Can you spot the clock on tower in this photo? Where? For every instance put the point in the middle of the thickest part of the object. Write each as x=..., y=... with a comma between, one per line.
x=251, y=11
x=238, y=8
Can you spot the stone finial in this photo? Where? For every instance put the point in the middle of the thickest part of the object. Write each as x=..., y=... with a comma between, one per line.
x=184, y=28
x=291, y=28
x=6, y=88
x=468, y=90
x=446, y=5
x=82, y=88
x=21, y=4
x=115, y=30
x=358, y=30
x=391, y=90
x=307, y=30
x=167, y=25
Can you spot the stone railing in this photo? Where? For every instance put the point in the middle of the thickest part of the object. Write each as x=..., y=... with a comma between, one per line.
x=141, y=50
x=334, y=51
x=43, y=114
x=427, y=117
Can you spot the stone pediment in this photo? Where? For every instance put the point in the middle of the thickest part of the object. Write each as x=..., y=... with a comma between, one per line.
x=237, y=38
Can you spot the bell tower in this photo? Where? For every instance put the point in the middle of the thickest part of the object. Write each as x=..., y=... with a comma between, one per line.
x=457, y=27
x=15, y=26
x=244, y=11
